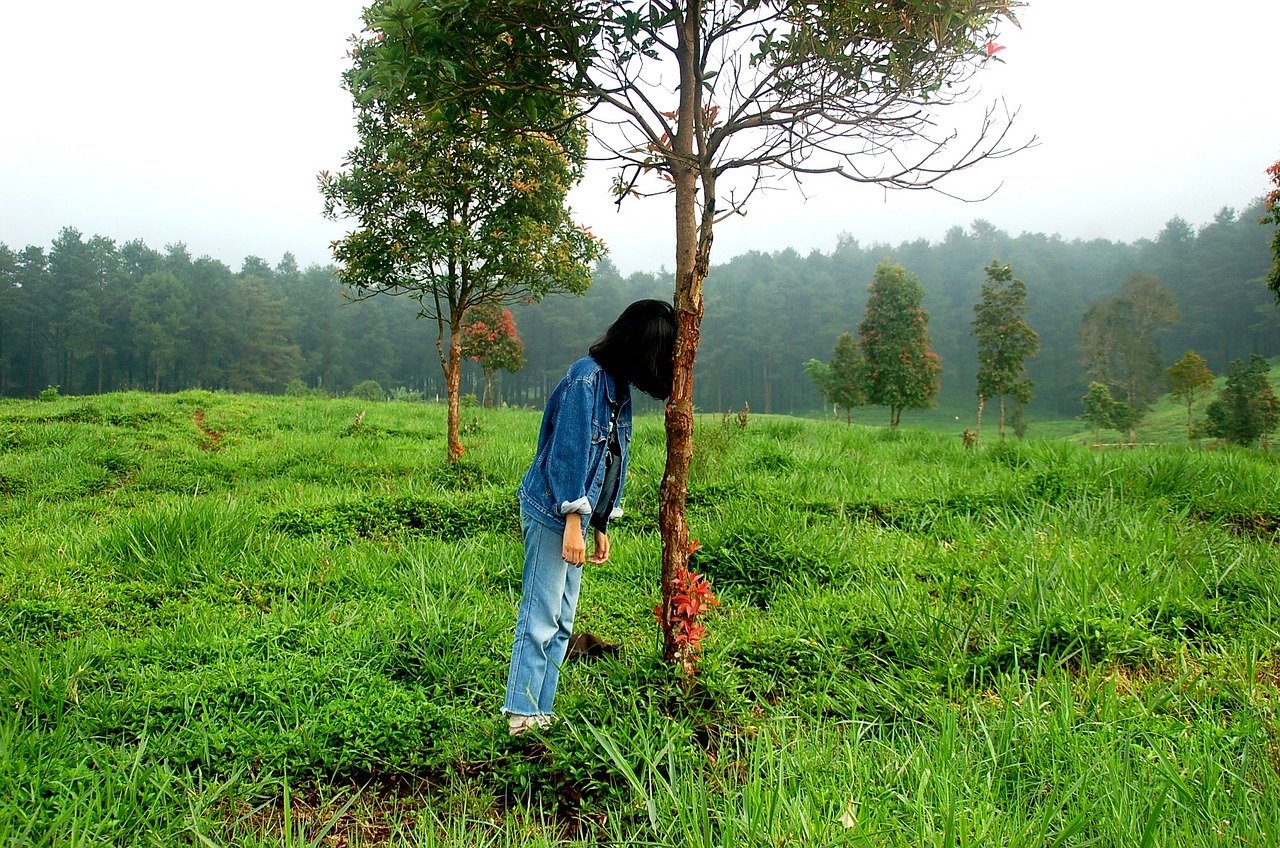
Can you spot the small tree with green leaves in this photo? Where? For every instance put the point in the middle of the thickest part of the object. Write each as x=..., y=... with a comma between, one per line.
x=847, y=375
x=899, y=371
x=1005, y=341
x=1189, y=379
x=490, y=338
x=1099, y=407
x=1247, y=408
x=819, y=373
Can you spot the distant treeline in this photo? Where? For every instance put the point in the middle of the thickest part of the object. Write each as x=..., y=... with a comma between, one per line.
x=88, y=315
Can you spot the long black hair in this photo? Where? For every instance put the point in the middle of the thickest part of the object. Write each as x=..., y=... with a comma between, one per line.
x=638, y=347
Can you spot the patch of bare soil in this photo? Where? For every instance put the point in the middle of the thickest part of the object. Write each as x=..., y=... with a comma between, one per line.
x=211, y=440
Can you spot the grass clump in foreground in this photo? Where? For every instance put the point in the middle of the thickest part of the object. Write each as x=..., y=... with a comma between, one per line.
x=238, y=620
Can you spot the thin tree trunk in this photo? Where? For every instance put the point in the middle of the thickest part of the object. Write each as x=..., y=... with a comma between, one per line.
x=693, y=253
x=451, y=365
x=453, y=380
x=982, y=404
x=1001, y=428
x=488, y=388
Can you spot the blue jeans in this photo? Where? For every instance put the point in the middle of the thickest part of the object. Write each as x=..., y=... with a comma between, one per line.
x=544, y=621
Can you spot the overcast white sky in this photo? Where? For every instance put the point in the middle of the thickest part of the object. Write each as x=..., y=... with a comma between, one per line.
x=207, y=123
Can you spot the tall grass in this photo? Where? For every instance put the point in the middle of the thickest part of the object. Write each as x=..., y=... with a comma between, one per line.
x=296, y=633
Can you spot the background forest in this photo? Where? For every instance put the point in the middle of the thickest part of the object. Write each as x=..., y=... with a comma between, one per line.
x=88, y=315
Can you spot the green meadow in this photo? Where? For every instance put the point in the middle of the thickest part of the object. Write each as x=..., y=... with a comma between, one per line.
x=260, y=621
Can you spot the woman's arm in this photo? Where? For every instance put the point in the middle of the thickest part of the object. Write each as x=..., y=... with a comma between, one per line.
x=573, y=548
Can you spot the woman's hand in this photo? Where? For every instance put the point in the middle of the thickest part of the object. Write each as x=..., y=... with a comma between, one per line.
x=601, y=552
x=573, y=549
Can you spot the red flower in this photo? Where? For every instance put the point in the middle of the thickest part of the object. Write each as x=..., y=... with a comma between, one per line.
x=993, y=48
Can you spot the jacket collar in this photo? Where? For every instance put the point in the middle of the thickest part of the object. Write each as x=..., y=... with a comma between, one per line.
x=613, y=393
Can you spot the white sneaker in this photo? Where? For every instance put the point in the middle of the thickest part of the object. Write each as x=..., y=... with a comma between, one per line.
x=517, y=724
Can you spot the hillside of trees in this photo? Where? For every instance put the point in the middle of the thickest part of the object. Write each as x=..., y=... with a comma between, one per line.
x=88, y=315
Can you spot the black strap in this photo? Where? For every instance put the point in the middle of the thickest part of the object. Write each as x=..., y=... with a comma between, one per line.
x=612, y=474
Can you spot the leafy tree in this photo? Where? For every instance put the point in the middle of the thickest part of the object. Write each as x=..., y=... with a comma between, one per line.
x=1101, y=409
x=1247, y=408
x=901, y=372
x=819, y=373
x=847, y=375
x=1187, y=379
x=490, y=338
x=1005, y=340
x=451, y=212
x=1272, y=216
x=1118, y=344
x=707, y=101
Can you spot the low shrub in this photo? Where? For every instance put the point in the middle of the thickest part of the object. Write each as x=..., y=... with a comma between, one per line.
x=367, y=390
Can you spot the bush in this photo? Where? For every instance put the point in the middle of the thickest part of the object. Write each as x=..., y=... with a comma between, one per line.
x=297, y=388
x=368, y=390
x=48, y=393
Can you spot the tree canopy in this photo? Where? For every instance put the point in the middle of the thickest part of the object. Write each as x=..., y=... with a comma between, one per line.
x=454, y=214
x=1188, y=379
x=899, y=369
x=1118, y=343
x=490, y=338
x=1272, y=216
x=1005, y=340
x=1246, y=408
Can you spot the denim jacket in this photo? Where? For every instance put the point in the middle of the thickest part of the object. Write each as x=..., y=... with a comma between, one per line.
x=568, y=468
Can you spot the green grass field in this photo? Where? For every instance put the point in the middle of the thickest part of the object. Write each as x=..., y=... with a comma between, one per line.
x=251, y=621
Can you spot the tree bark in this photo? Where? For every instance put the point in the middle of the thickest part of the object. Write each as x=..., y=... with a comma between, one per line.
x=453, y=381
x=693, y=253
